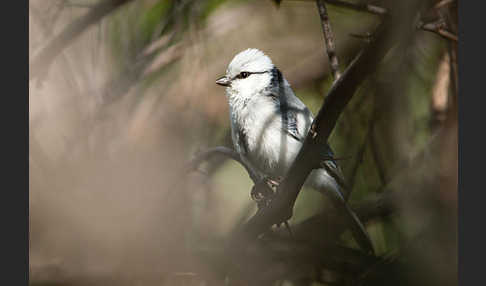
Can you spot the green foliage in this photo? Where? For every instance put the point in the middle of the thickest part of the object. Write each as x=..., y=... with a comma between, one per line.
x=153, y=17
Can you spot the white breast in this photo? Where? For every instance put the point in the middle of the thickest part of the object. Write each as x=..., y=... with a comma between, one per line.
x=269, y=149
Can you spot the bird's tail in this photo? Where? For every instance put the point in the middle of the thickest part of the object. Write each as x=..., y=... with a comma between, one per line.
x=351, y=219
x=358, y=230
x=339, y=197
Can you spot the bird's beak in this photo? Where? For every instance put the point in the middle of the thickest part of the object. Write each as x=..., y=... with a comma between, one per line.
x=224, y=81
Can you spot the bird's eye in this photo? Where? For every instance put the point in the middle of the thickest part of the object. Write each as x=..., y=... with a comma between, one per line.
x=244, y=75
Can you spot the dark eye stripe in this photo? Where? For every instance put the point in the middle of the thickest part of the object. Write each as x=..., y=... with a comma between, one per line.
x=241, y=76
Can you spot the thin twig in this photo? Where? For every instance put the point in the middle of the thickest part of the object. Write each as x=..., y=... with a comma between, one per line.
x=439, y=28
x=360, y=6
x=366, y=37
x=377, y=156
x=363, y=7
x=443, y=3
x=329, y=39
x=204, y=156
x=380, y=166
x=220, y=150
x=359, y=161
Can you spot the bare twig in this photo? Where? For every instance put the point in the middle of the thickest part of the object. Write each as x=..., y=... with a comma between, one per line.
x=363, y=7
x=443, y=3
x=366, y=37
x=360, y=6
x=225, y=151
x=375, y=153
x=359, y=161
x=46, y=56
x=204, y=156
x=329, y=39
x=380, y=166
x=439, y=28
x=362, y=149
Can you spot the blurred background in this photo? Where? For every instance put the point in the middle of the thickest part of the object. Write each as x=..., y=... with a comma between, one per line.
x=124, y=96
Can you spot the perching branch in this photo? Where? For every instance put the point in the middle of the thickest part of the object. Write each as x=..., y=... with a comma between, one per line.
x=46, y=56
x=329, y=39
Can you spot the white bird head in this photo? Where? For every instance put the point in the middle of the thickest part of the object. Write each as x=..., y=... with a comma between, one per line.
x=249, y=73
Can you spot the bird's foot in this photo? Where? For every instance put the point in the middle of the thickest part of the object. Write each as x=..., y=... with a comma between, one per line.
x=264, y=190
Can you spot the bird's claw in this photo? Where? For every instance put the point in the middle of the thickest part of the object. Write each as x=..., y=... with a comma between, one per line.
x=264, y=190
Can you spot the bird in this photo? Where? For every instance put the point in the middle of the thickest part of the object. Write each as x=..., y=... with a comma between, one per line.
x=269, y=124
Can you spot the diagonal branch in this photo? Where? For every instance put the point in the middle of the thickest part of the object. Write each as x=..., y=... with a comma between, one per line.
x=329, y=39
x=46, y=56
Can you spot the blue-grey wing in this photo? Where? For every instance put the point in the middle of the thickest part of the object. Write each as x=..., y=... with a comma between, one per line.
x=333, y=169
x=239, y=137
x=291, y=127
x=296, y=117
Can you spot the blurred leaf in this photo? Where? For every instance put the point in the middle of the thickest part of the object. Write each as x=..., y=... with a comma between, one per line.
x=153, y=17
